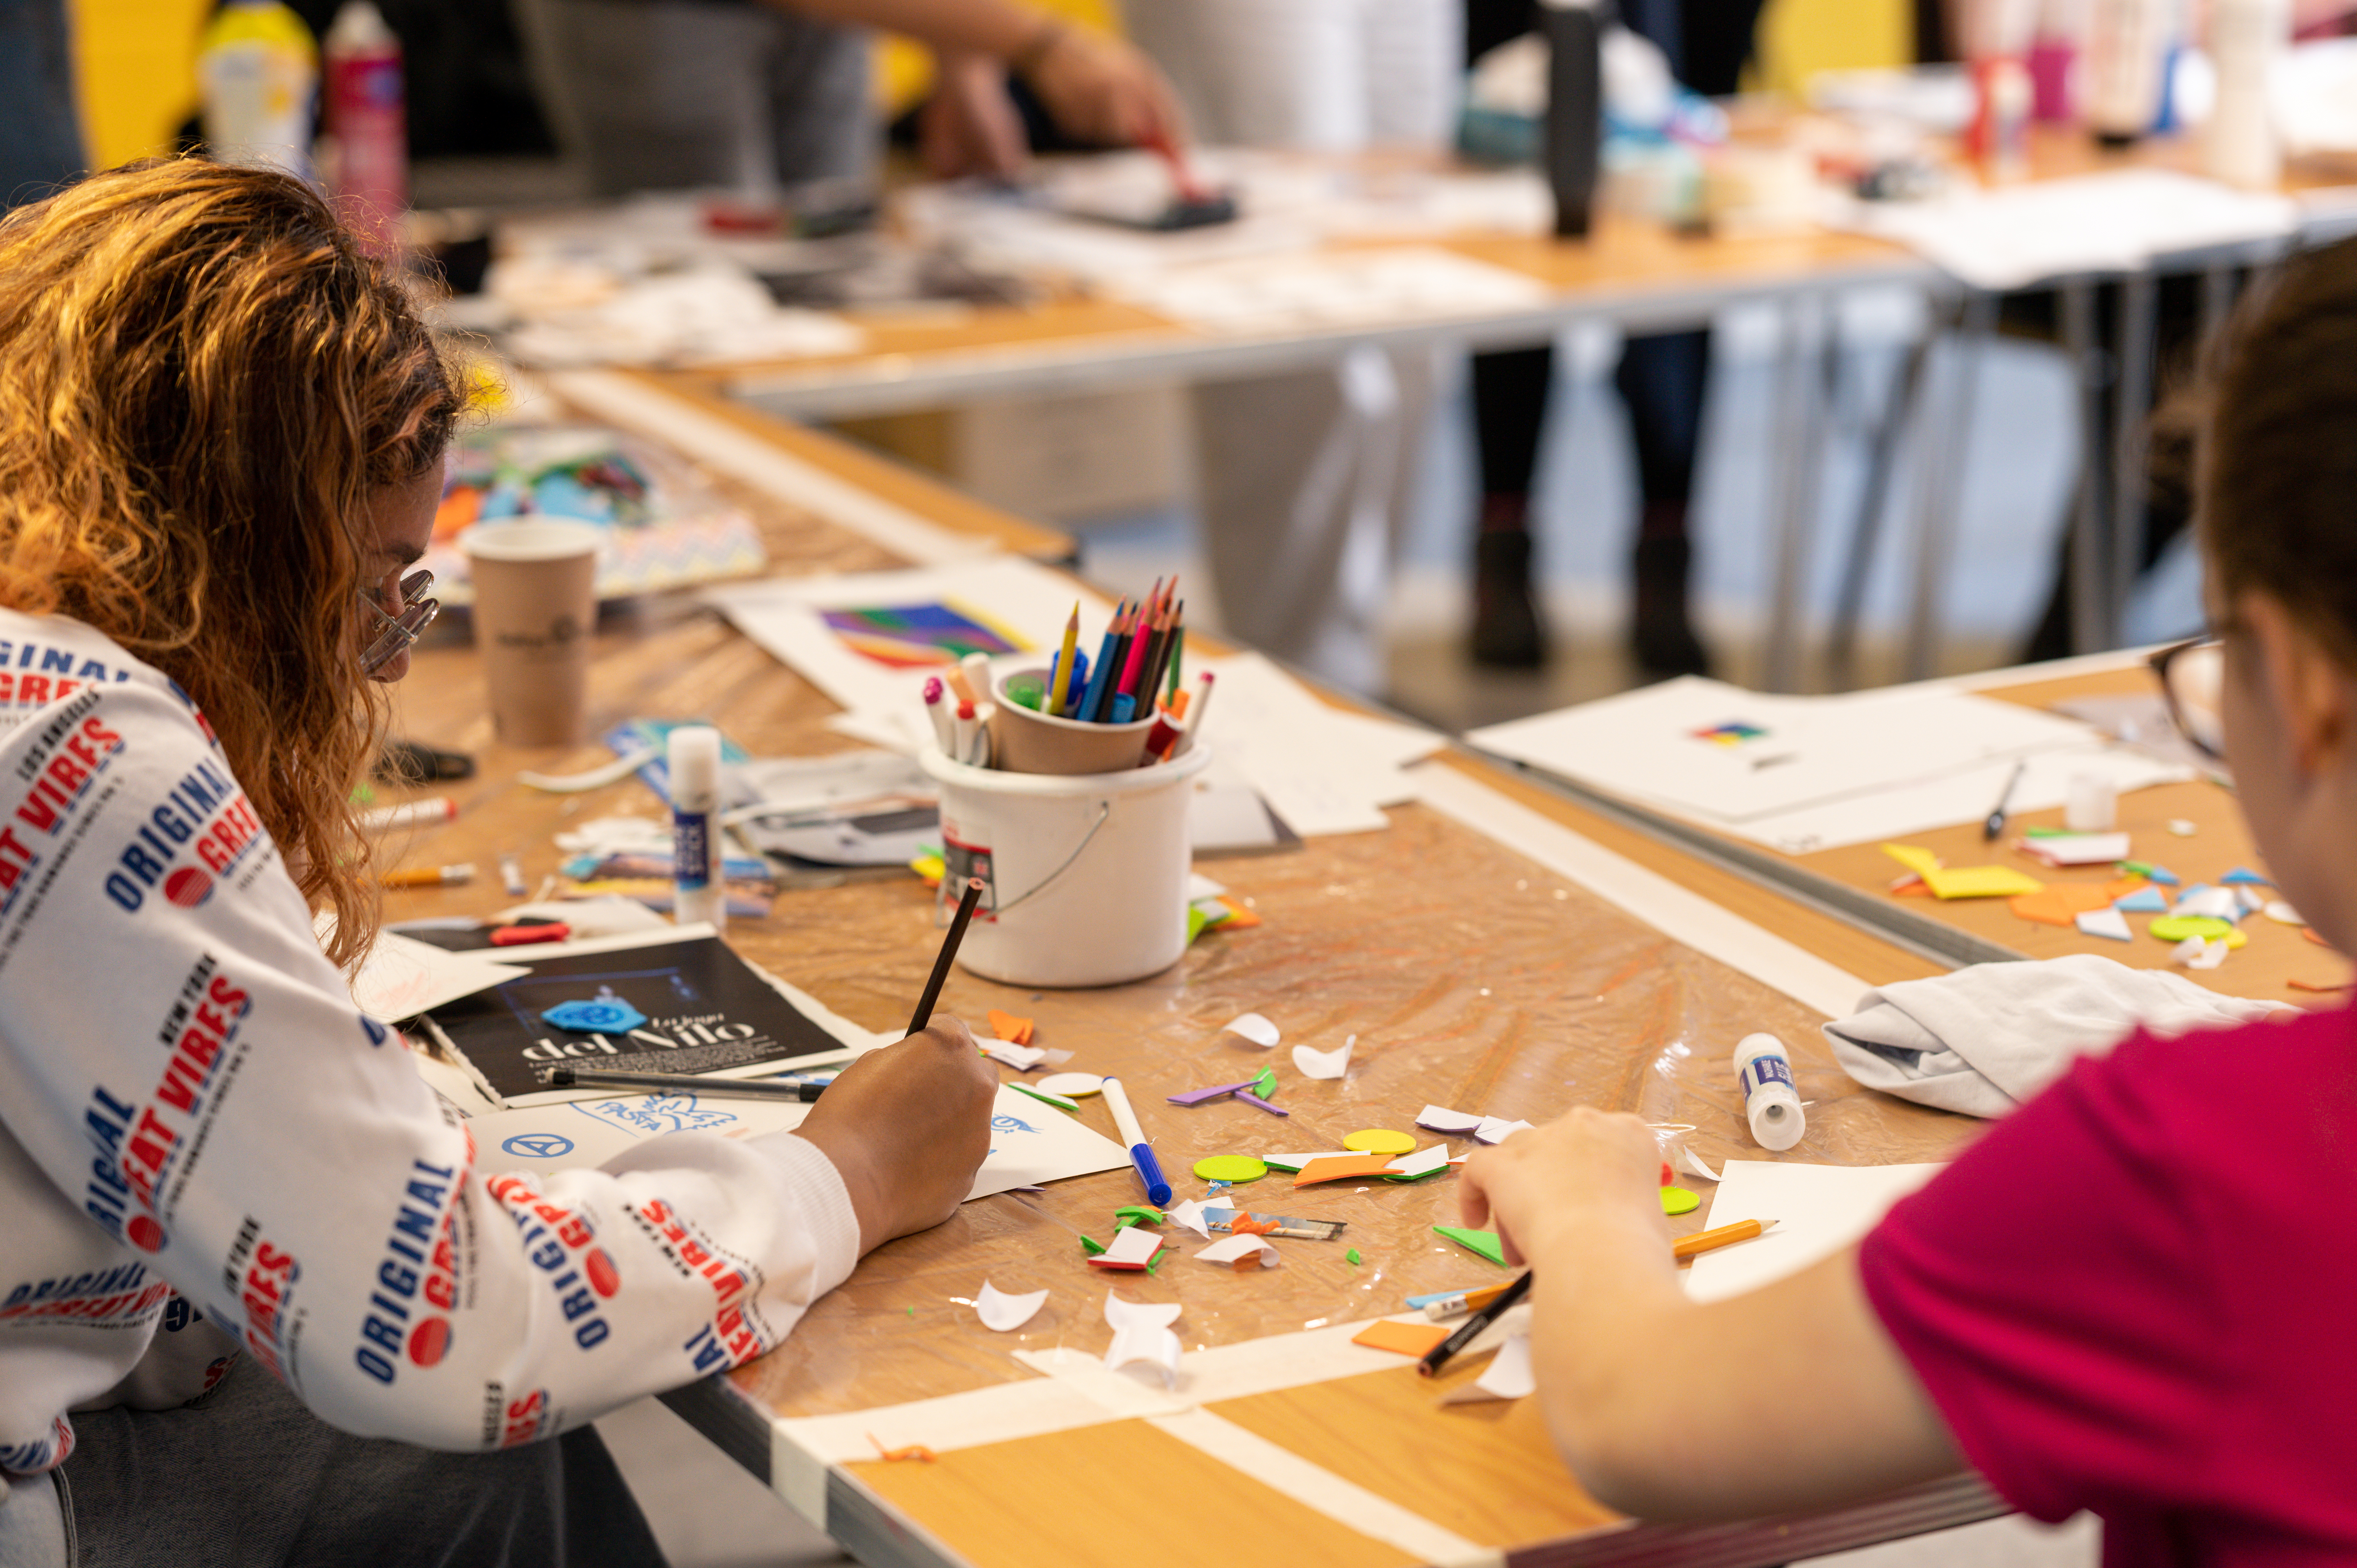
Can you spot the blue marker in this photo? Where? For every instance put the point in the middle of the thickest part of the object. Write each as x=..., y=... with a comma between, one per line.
x=1141, y=1152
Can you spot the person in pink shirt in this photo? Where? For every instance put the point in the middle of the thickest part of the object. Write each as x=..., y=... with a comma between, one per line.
x=2127, y=1297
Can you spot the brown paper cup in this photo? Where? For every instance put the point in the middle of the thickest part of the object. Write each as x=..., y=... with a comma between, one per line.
x=535, y=605
x=1023, y=741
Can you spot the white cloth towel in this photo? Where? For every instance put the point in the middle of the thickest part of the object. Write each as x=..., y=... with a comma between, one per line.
x=1985, y=1038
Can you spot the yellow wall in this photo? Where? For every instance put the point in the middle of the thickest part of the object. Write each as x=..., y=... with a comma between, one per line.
x=904, y=72
x=1800, y=37
x=137, y=62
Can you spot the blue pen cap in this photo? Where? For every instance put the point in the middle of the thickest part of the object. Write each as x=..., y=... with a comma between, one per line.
x=1124, y=708
x=1149, y=1171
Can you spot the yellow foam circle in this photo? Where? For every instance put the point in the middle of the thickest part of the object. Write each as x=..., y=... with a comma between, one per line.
x=1678, y=1200
x=1230, y=1168
x=1380, y=1141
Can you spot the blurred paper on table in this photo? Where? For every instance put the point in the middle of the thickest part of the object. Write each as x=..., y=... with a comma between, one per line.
x=403, y=977
x=1817, y=1210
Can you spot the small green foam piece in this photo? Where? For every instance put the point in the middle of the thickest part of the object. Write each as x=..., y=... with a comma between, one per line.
x=2047, y=833
x=1155, y=1262
x=1265, y=1084
x=1139, y=1213
x=1196, y=921
x=912, y=1312
x=1058, y=1101
x=1352, y=1257
x=1092, y=1246
x=1485, y=1242
x=2134, y=868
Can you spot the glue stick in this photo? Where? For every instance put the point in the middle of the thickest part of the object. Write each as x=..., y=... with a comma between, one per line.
x=699, y=891
x=1768, y=1098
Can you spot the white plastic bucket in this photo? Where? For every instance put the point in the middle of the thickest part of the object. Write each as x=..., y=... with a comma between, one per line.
x=1084, y=875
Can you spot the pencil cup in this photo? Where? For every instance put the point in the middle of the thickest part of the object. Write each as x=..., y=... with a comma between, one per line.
x=1084, y=875
x=1024, y=740
x=535, y=605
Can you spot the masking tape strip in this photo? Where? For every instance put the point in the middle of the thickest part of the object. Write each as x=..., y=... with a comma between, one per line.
x=1315, y=1488
x=1688, y=918
x=657, y=416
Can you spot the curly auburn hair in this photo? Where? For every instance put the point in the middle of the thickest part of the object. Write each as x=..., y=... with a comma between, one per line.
x=203, y=381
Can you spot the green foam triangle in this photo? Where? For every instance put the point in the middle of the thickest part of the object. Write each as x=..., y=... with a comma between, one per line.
x=1483, y=1241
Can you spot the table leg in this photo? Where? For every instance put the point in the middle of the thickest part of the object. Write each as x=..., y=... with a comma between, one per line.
x=2132, y=409
x=1941, y=453
x=1800, y=442
x=1865, y=531
x=2090, y=546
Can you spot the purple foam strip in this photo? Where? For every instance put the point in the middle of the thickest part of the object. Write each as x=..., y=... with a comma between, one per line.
x=1251, y=1099
x=1196, y=1096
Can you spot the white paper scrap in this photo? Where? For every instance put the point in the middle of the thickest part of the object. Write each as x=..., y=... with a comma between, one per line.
x=1121, y=1313
x=2195, y=953
x=2213, y=903
x=1226, y=1253
x=1440, y=1119
x=2105, y=922
x=1509, y=1376
x=1497, y=1128
x=1423, y=1162
x=1156, y=1347
x=1324, y=1064
x=1190, y=1215
x=1254, y=1028
x=1818, y=1210
x=2078, y=849
x=1693, y=1164
x=401, y=977
x=2283, y=913
x=1006, y=1313
x=1131, y=1247
x=1022, y=1059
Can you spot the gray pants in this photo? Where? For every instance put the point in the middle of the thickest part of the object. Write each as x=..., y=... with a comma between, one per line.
x=667, y=94
x=40, y=134
x=248, y=1475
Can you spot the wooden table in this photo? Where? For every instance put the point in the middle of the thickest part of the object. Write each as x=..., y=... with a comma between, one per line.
x=1472, y=975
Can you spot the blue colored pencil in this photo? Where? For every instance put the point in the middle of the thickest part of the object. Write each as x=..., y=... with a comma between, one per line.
x=1095, y=694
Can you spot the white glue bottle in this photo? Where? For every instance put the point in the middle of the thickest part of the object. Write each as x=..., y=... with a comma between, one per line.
x=699, y=887
x=1768, y=1098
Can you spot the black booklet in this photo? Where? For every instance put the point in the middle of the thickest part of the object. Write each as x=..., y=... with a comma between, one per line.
x=686, y=1006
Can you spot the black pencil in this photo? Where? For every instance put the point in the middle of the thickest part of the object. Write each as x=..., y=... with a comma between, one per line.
x=682, y=1083
x=966, y=902
x=1437, y=1357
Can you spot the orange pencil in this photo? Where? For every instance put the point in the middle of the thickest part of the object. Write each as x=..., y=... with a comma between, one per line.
x=1711, y=1240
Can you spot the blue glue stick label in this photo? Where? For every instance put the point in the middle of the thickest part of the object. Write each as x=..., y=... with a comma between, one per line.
x=690, y=849
x=1760, y=1071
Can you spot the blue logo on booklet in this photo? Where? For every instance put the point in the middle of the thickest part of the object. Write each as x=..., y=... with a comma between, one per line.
x=539, y=1145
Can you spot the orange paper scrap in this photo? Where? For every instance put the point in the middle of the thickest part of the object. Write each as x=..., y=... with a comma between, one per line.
x=1407, y=1338
x=1015, y=1031
x=2061, y=904
x=1336, y=1167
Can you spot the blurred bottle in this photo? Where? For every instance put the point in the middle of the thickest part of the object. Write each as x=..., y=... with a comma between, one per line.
x=2246, y=37
x=2127, y=52
x=258, y=75
x=364, y=155
x=2054, y=51
x=1575, y=113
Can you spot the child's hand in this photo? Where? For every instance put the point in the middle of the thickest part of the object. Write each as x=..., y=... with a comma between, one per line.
x=1563, y=1174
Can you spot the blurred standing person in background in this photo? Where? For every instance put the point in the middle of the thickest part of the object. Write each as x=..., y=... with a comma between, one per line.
x=40, y=131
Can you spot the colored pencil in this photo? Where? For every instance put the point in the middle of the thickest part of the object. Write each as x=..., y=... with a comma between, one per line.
x=1437, y=1357
x=1062, y=687
x=1725, y=1236
x=1095, y=691
x=924, y=1013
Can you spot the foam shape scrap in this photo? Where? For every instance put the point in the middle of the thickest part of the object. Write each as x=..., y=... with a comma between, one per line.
x=1005, y=1313
x=1236, y=1249
x=1077, y=1085
x=2145, y=900
x=1008, y=1027
x=2163, y=876
x=1139, y=1214
x=2078, y=849
x=1981, y=882
x=1415, y=1167
x=1497, y=1128
x=1294, y=1162
x=1485, y=1242
x=1254, y=1101
x=1036, y=1093
x=1380, y=1141
x=1217, y=1091
x=1190, y=1215
x=2061, y=905
x=2125, y=886
x=1678, y=1200
x=605, y=1014
x=1337, y=1168
x=1405, y=1339
x=1153, y=1346
x=1922, y=861
x=1324, y=1064
x=1441, y=1118
x=2244, y=874
x=2283, y=913
x=1509, y=1376
x=2108, y=923
x=1231, y=1167
x=1121, y=1313
x=2195, y=953
x=2179, y=927
x=1131, y=1248
x=1022, y=1059
x=1252, y=1027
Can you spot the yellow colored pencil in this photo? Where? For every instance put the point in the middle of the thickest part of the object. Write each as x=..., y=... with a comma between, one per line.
x=1064, y=667
x=1725, y=1235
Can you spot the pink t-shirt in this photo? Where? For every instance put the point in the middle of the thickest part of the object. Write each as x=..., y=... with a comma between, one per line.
x=2135, y=1295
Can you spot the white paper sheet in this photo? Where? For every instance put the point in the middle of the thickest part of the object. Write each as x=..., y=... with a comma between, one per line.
x=1030, y=1143
x=403, y=977
x=1509, y=1376
x=1005, y=1313
x=1826, y=771
x=1818, y=1210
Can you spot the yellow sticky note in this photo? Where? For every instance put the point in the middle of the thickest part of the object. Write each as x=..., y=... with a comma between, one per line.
x=1981, y=882
x=1922, y=861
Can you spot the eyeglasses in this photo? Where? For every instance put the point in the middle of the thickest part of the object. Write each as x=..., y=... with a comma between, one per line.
x=2192, y=674
x=395, y=633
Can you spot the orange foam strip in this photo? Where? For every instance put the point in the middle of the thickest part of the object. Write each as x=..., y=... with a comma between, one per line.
x=1407, y=1338
x=1239, y=917
x=1336, y=1167
x=2059, y=905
